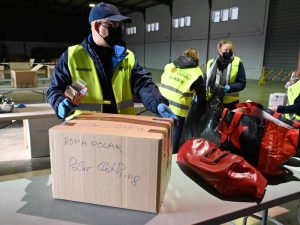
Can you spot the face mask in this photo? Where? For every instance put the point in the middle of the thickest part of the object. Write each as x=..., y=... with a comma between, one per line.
x=226, y=55
x=114, y=36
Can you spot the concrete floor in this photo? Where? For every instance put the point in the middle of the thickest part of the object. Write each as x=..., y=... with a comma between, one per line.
x=15, y=161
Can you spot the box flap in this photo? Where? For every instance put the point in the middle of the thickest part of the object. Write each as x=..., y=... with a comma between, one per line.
x=31, y=61
x=113, y=128
x=37, y=67
x=19, y=65
x=142, y=120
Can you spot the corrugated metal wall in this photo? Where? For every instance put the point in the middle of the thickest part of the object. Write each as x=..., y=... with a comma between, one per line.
x=283, y=38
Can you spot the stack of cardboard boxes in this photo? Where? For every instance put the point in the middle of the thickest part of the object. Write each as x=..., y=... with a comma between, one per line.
x=115, y=160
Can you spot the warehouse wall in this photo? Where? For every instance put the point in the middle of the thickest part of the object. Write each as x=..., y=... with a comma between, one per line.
x=25, y=28
x=248, y=33
x=194, y=36
x=152, y=49
x=136, y=42
x=157, y=43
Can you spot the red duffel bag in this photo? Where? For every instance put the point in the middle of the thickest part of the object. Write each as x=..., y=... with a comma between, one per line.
x=230, y=174
x=264, y=139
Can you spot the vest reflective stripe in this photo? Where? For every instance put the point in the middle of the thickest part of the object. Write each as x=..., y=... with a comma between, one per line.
x=184, y=107
x=82, y=67
x=233, y=67
x=176, y=90
x=175, y=86
x=236, y=94
x=293, y=92
x=125, y=104
x=89, y=107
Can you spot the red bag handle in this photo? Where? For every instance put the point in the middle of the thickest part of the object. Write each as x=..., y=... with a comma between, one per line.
x=225, y=131
x=213, y=160
x=235, y=120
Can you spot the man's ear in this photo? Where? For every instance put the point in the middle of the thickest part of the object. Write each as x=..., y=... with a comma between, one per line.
x=95, y=26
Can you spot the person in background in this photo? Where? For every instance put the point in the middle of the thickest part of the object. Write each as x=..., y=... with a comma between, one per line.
x=110, y=71
x=226, y=71
x=179, y=82
x=292, y=111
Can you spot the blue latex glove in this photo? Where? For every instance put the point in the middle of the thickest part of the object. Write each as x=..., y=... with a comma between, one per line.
x=20, y=105
x=165, y=111
x=226, y=88
x=195, y=99
x=65, y=108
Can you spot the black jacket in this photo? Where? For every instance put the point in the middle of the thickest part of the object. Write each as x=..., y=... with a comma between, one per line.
x=293, y=109
x=199, y=85
x=142, y=86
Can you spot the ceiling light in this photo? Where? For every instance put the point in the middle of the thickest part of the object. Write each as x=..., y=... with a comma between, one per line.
x=92, y=5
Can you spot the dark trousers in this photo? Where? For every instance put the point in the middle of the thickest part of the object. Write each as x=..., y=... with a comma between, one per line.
x=177, y=130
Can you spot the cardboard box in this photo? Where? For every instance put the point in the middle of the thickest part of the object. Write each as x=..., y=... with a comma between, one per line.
x=23, y=79
x=277, y=99
x=114, y=160
x=19, y=65
x=22, y=76
x=1, y=72
x=50, y=69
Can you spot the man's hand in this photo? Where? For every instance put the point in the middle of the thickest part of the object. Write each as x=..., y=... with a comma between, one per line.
x=165, y=111
x=65, y=108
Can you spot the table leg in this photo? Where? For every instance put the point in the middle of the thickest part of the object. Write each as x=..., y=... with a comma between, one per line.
x=37, y=136
x=299, y=212
x=263, y=218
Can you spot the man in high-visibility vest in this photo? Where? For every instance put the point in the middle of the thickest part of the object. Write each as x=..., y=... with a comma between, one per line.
x=226, y=71
x=179, y=82
x=109, y=70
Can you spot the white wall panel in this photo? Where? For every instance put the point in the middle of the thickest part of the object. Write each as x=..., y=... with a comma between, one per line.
x=178, y=48
x=157, y=43
x=198, y=11
x=135, y=42
x=138, y=50
x=139, y=23
x=157, y=55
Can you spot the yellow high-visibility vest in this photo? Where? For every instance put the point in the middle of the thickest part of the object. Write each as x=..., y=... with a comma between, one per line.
x=175, y=86
x=293, y=92
x=234, y=67
x=82, y=67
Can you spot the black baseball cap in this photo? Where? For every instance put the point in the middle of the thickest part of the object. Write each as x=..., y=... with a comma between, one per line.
x=107, y=11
